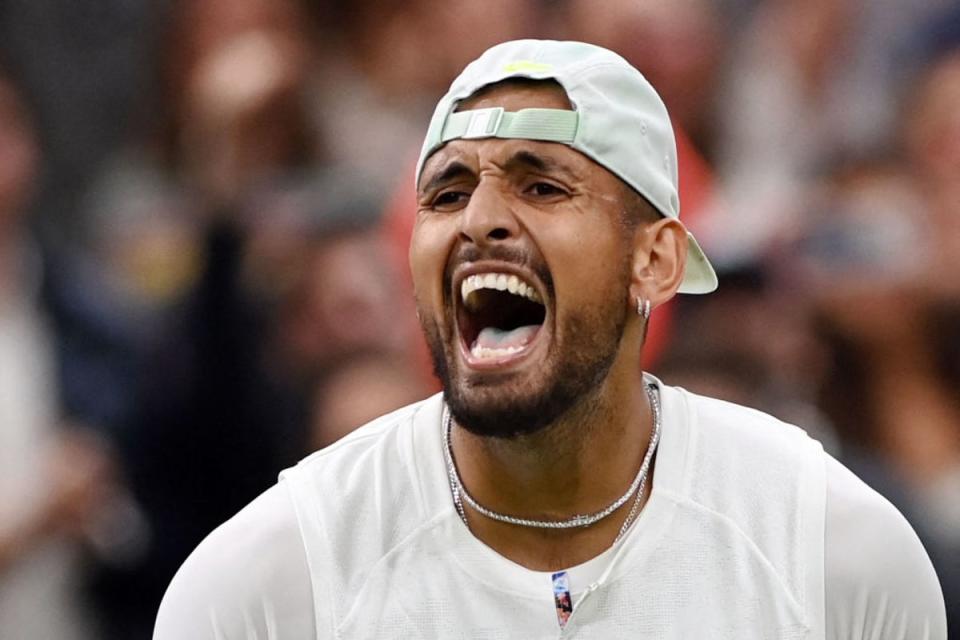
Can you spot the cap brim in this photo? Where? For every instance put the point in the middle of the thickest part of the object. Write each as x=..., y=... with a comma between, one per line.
x=699, y=276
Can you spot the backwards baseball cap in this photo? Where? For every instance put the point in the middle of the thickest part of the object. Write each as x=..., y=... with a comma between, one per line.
x=618, y=121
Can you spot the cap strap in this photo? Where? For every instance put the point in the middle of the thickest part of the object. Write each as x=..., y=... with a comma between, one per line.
x=550, y=125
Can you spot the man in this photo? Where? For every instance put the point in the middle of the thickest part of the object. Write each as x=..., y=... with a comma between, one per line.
x=547, y=231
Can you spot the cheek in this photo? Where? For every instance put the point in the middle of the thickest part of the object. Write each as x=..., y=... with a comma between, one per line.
x=429, y=248
x=586, y=256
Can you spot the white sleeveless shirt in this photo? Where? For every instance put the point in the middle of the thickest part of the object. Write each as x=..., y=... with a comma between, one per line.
x=731, y=544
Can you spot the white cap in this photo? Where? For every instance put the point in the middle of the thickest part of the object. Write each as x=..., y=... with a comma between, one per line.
x=618, y=121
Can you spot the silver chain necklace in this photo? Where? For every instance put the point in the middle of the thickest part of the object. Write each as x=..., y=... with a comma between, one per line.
x=460, y=494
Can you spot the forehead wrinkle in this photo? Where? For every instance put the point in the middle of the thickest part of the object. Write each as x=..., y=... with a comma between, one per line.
x=454, y=169
x=539, y=157
x=525, y=158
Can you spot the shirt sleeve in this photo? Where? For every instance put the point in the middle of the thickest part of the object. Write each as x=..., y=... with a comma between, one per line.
x=248, y=580
x=880, y=583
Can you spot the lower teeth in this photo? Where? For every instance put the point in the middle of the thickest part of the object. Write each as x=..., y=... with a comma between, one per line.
x=489, y=352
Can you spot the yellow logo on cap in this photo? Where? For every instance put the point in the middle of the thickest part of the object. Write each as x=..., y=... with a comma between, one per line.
x=527, y=65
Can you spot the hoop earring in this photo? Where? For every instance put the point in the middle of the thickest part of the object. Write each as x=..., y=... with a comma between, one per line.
x=643, y=308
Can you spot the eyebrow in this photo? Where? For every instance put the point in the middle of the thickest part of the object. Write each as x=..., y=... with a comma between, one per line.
x=522, y=158
x=452, y=171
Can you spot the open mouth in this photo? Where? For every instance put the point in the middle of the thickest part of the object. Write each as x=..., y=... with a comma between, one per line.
x=499, y=316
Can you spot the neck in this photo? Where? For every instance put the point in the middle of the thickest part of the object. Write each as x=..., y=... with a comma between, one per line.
x=580, y=464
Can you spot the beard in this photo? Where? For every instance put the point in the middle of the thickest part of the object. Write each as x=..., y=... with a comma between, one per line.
x=582, y=352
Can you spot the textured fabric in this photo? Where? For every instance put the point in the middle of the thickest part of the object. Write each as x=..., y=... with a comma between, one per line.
x=552, y=125
x=361, y=540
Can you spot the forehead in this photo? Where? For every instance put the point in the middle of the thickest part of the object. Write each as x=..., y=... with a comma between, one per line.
x=513, y=95
x=517, y=94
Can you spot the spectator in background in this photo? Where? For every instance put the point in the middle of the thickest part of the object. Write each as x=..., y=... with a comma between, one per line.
x=932, y=138
x=59, y=494
x=235, y=123
x=233, y=114
x=361, y=387
x=378, y=77
x=808, y=81
x=87, y=69
x=294, y=283
x=281, y=277
x=238, y=96
x=317, y=256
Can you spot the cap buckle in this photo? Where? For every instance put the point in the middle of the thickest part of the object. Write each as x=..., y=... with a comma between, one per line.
x=484, y=123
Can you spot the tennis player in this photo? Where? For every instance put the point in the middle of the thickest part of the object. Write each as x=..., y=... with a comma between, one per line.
x=554, y=489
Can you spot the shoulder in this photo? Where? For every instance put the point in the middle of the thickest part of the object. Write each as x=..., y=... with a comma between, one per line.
x=379, y=455
x=248, y=576
x=368, y=497
x=879, y=581
x=736, y=458
x=377, y=435
x=779, y=487
x=743, y=423
x=303, y=543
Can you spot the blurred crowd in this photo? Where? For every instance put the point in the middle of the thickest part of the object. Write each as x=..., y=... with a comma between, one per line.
x=204, y=213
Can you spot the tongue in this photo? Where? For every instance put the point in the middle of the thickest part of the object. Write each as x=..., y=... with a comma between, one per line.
x=493, y=338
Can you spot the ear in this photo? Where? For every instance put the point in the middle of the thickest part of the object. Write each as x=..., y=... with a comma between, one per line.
x=659, y=258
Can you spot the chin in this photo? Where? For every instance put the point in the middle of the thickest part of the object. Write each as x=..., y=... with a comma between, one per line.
x=507, y=409
x=508, y=366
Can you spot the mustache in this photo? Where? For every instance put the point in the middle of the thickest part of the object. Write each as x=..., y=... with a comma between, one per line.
x=512, y=255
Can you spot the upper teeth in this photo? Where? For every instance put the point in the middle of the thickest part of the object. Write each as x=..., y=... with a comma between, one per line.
x=499, y=282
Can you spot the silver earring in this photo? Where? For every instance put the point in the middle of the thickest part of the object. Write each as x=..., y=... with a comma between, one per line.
x=643, y=308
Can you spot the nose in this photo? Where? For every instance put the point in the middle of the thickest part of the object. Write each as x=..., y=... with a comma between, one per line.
x=488, y=217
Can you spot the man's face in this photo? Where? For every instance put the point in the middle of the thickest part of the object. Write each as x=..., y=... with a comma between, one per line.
x=521, y=266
